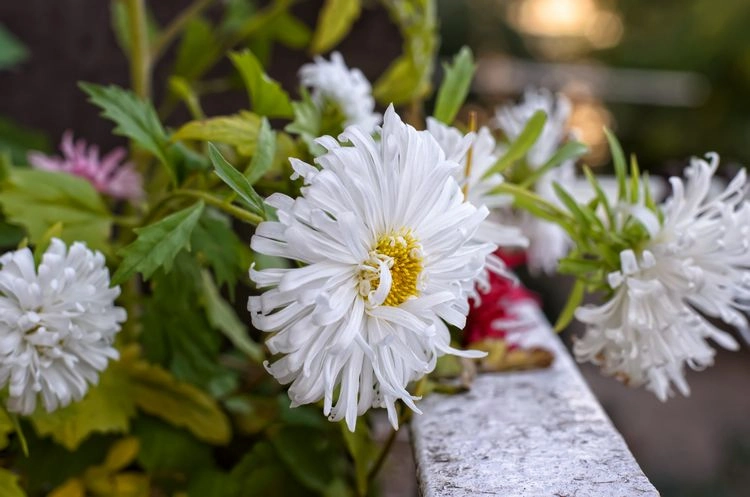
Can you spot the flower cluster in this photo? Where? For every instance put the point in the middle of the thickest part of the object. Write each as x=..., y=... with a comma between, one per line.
x=57, y=325
x=694, y=266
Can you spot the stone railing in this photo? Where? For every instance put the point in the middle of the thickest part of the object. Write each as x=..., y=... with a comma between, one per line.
x=536, y=433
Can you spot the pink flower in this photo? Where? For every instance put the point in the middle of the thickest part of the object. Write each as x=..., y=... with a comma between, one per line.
x=109, y=175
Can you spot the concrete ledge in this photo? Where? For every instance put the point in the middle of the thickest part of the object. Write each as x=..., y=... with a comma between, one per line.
x=536, y=433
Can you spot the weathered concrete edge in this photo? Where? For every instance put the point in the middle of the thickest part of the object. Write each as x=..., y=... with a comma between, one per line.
x=577, y=403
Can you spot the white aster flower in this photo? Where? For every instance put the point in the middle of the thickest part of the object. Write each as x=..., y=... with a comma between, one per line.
x=696, y=264
x=479, y=189
x=388, y=243
x=332, y=82
x=57, y=325
x=548, y=243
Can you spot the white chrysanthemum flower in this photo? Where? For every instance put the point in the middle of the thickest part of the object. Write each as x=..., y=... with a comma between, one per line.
x=57, y=325
x=388, y=243
x=696, y=264
x=548, y=243
x=479, y=188
x=332, y=82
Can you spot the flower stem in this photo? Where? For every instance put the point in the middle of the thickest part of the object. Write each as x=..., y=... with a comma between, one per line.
x=140, y=55
x=234, y=211
x=174, y=28
x=382, y=456
x=469, y=153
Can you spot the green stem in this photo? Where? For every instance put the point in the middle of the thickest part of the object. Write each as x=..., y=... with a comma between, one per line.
x=382, y=456
x=140, y=56
x=234, y=211
x=175, y=27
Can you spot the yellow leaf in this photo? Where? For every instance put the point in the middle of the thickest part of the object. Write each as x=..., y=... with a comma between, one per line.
x=71, y=488
x=502, y=358
x=158, y=393
x=334, y=23
x=119, y=485
x=122, y=453
x=106, y=408
x=239, y=130
x=9, y=484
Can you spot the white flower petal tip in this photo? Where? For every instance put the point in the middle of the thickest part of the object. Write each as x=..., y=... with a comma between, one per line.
x=57, y=325
x=389, y=254
x=331, y=81
x=696, y=266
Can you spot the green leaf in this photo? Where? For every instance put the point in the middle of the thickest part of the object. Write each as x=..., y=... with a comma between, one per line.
x=197, y=49
x=135, y=118
x=574, y=300
x=334, y=23
x=455, y=87
x=264, y=153
x=521, y=144
x=37, y=200
x=290, y=31
x=216, y=245
x=571, y=150
x=266, y=95
x=176, y=332
x=222, y=317
x=165, y=448
x=106, y=408
x=9, y=486
x=308, y=122
x=262, y=472
x=158, y=244
x=236, y=181
x=363, y=450
x=307, y=454
x=240, y=130
x=157, y=392
x=12, y=51
x=618, y=159
x=6, y=427
x=409, y=77
x=18, y=140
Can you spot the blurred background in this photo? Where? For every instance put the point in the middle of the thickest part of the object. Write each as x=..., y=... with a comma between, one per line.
x=672, y=78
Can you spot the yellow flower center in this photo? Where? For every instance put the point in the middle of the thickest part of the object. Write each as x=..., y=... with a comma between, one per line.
x=403, y=255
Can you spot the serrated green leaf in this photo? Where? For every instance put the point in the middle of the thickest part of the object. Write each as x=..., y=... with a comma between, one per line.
x=240, y=131
x=222, y=317
x=574, y=300
x=135, y=118
x=157, y=392
x=521, y=144
x=455, y=87
x=158, y=244
x=216, y=245
x=177, y=334
x=308, y=121
x=334, y=23
x=9, y=486
x=264, y=154
x=266, y=95
x=106, y=408
x=38, y=200
x=236, y=181
x=12, y=51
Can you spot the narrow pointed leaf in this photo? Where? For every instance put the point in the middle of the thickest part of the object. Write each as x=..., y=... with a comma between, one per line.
x=455, y=87
x=522, y=144
x=236, y=181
